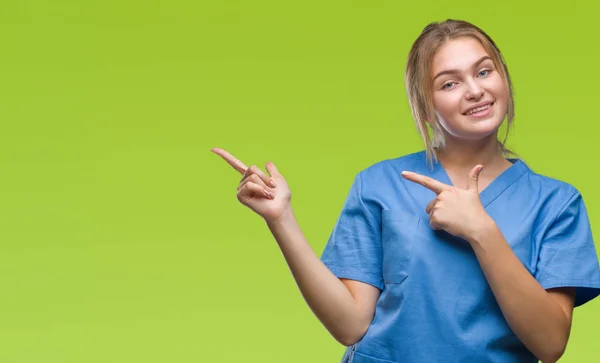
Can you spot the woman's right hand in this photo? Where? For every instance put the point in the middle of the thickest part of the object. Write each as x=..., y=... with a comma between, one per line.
x=268, y=196
x=346, y=308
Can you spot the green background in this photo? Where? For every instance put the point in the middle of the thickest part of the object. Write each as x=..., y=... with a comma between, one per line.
x=121, y=236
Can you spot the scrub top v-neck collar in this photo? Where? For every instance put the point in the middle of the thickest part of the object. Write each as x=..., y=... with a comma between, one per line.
x=496, y=187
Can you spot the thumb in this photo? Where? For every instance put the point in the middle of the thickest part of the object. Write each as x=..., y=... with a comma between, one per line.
x=474, y=178
x=272, y=169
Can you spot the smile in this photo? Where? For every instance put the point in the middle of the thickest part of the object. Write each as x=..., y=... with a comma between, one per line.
x=480, y=111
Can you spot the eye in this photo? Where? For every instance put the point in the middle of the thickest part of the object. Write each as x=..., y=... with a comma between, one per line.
x=448, y=85
x=484, y=72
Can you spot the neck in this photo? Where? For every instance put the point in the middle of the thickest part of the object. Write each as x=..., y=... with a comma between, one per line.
x=461, y=154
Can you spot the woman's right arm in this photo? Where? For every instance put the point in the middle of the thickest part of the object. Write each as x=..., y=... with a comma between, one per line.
x=345, y=307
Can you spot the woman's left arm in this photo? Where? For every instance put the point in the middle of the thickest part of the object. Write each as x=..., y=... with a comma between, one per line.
x=540, y=318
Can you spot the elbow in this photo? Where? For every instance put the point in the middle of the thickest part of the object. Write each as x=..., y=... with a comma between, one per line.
x=351, y=329
x=347, y=341
x=351, y=337
x=553, y=353
x=550, y=358
x=553, y=346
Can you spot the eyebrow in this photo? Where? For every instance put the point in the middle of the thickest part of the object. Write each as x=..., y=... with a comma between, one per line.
x=453, y=71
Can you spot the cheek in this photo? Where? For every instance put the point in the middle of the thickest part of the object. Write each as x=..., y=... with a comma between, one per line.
x=501, y=96
x=498, y=88
x=446, y=105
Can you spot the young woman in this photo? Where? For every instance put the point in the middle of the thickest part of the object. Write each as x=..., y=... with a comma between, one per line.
x=457, y=253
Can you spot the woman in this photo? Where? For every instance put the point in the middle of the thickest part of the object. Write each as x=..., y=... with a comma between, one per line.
x=457, y=253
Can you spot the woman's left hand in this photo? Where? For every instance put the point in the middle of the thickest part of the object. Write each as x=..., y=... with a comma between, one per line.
x=455, y=210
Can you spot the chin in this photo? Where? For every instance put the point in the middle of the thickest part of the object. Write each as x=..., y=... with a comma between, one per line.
x=475, y=133
x=482, y=127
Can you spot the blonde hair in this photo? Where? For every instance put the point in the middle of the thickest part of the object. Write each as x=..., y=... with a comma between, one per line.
x=419, y=84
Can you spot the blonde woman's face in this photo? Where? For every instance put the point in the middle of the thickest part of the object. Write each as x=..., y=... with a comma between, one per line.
x=469, y=95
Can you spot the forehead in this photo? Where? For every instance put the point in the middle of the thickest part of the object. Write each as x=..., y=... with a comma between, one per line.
x=458, y=54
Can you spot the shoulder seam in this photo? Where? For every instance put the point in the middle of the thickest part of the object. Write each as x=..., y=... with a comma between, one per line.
x=561, y=210
x=360, y=198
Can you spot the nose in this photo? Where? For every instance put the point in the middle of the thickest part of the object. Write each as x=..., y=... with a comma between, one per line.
x=474, y=90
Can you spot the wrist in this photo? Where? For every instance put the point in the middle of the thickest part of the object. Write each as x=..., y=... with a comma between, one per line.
x=482, y=230
x=283, y=219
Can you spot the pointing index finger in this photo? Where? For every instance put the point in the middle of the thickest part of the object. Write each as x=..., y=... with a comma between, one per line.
x=235, y=163
x=429, y=183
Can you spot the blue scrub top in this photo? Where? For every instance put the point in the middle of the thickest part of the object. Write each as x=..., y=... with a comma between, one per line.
x=435, y=304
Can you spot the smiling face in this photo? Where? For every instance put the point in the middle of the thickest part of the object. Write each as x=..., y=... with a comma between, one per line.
x=469, y=95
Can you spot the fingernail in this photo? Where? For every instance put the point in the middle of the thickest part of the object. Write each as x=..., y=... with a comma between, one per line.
x=267, y=194
x=272, y=183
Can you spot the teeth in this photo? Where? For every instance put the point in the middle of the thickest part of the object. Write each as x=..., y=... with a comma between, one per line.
x=478, y=109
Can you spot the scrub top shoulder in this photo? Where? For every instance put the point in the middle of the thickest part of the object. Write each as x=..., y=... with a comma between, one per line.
x=435, y=304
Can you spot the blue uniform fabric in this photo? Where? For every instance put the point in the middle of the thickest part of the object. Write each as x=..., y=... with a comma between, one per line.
x=435, y=304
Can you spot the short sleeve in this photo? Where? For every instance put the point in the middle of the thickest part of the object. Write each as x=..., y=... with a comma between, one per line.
x=568, y=257
x=353, y=250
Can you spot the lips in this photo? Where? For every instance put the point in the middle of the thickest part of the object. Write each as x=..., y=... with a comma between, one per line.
x=478, y=108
